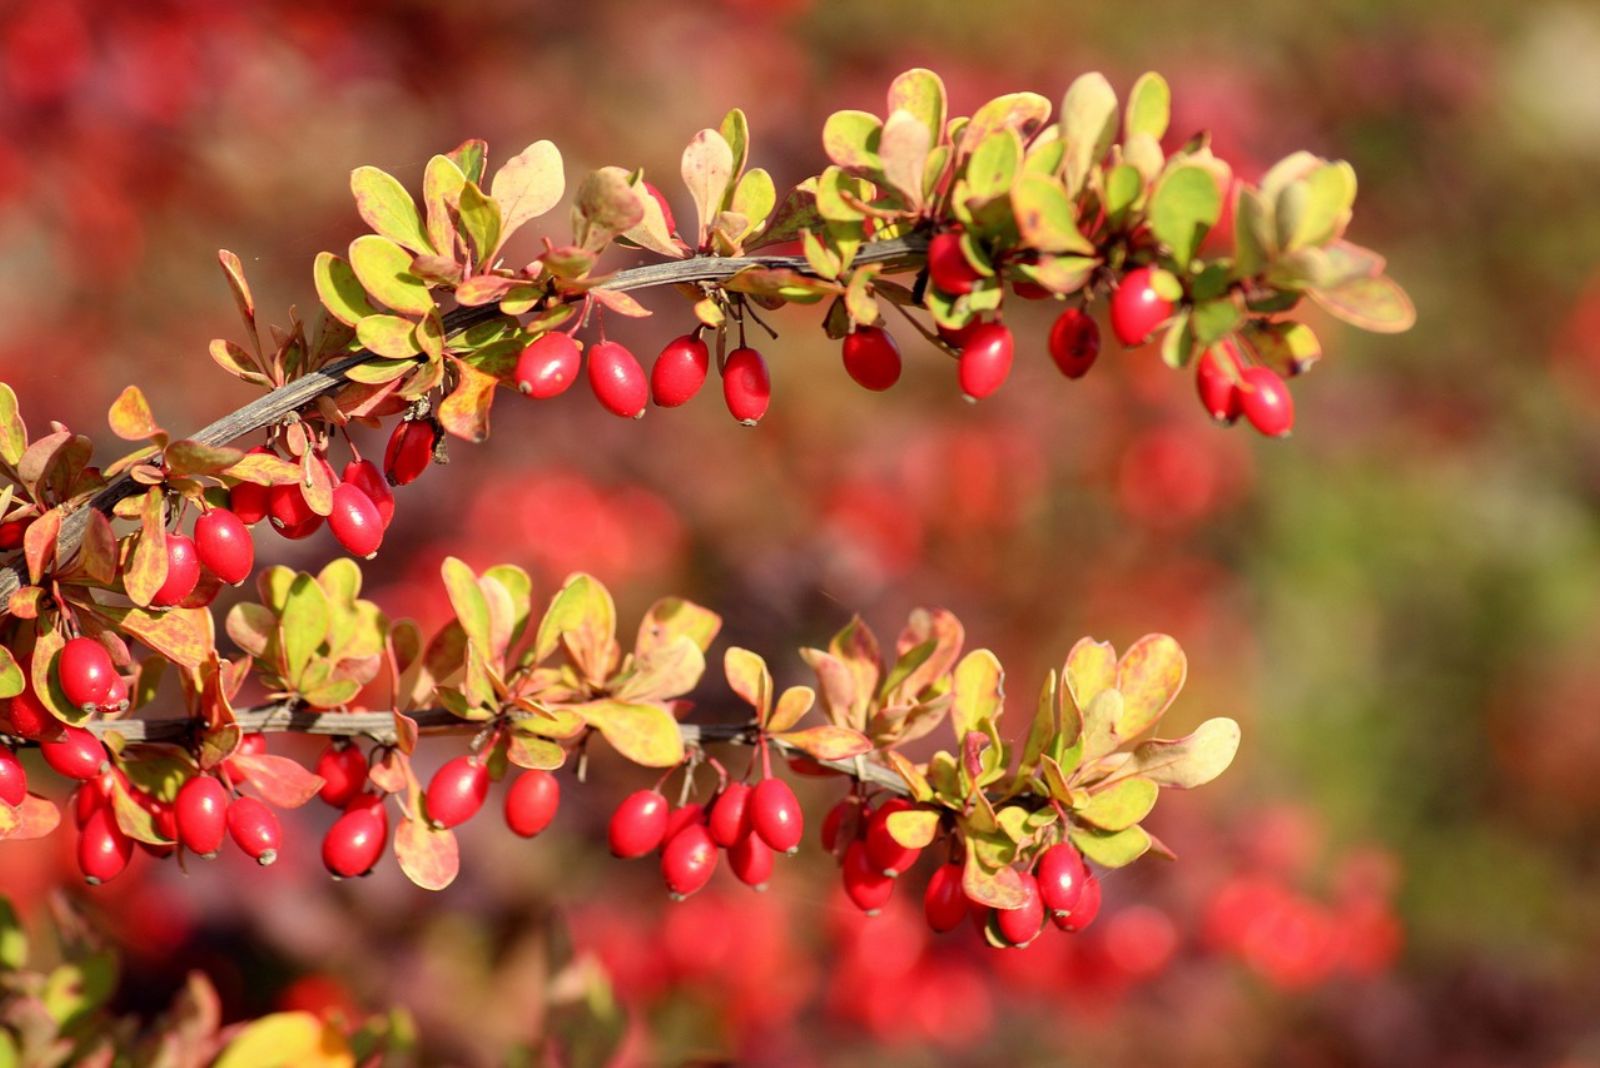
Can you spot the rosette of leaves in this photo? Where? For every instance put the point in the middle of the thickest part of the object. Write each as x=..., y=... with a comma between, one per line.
x=312, y=638
x=1089, y=770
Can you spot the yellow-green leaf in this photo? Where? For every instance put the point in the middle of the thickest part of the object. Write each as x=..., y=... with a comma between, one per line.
x=1149, y=676
x=385, y=206
x=643, y=733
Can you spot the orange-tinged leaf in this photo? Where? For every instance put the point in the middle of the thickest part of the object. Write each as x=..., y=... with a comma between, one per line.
x=97, y=553
x=1091, y=667
x=583, y=617
x=264, y=469
x=979, y=692
x=672, y=617
x=749, y=678
x=130, y=416
x=39, y=543
x=998, y=888
x=147, y=569
x=428, y=855
x=528, y=185
x=915, y=781
x=182, y=635
x=1190, y=761
x=34, y=818
x=643, y=733
x=465, y=412
x=793, y=704
x=284, y=1039
x=1150, y=674
x=281, y=782
x=385, y=206
x=828, y=742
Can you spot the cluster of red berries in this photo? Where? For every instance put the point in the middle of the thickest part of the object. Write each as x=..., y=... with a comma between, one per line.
x=1229, y=386
x=1060, y=887
x=363, y=504
x=753, y=823
x=549, y=366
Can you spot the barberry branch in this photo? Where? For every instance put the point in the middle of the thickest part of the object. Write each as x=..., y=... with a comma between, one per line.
x=270, y=409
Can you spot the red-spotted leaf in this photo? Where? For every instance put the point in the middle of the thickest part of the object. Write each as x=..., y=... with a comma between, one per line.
x=827, y=742
x=999, y=888
x=1150, y=674
x=281, y=782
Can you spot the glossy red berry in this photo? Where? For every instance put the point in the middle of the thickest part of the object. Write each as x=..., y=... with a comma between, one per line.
x=76, y=753
x=1267, y=402
x=1137, y=309
x=868, y=888
x=247, y=500
x=729, y=819
x=1084, y=912
x=365, y=476
x=355, y=841
x=93, y=794
x=201, y=810
x=1061, y=874
x=291, y=516
x=531, y=802
x=688, y=860
x=679, y=371
x=457, y=791
x=746, y=385
x=1020, y=926
x=252, y=744
x=26, y=717
x=163, y=817
x=85, y=672
x=254, y=829
x=1030, y=290
x=224, y=546
x=343, y=770
x=1217, y=378
x=103, y=850
x=617, y=380
x=945, y=902
x=1074, y=342
x=751, y=861
x=639, y=824
x=410, y=451
x=886, y=854
x=948, y=268
x=183, y=572
x=833, y=822
x=872, y=358
x=775, y=815
x=548, y=366
x=682, y=817
x=13, y=778
x=13, y=533
x=355, y=521
x=985, y=360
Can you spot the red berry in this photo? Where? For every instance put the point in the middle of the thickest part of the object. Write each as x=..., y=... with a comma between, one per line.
x=355, y=841
x=679, y=371
x=751, y=861
x=85, y=671
x=948, y=268
x=291, y=516
x=886, y=854
x=457, y=791
x=1020, y=926
x=775, y=815
x=254, y=829
x=77, y=753
x=183, y=572
x=13, y=778
x=27, y=716
x=867, y=887
x=985, y=360
x=746, y=386
x=410, y=451
x=957, y=337
x=343, y=770
x=163, y=817
x=834, y=820
x=639, y=824
x=365, y=476
x=682, y=817
x=224, y=546
x=945, y=903
x=872, y=358
x=103, y=850
x=531, y=802
x=92, y=795
x=1137, y=309
x=1267, y=402
x=1084, y=912
x=687, y=861
x=201, y=809
x=1061, y=875
x=1030, y=290
x=729, y=822
x=1217, y=377
x=1074, y=342
x=12, y=534
x=247, y=500
x=252, y=744
x=618, y=380
x=666, y=209
x=355, y=521
x=548, y=366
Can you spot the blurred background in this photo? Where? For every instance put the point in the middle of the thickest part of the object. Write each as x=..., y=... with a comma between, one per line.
x=1399, y=603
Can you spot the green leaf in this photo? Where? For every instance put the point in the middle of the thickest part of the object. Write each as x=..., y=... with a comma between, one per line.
x=442, y=182
x=995, y=163
x=480, y=218
x=528, y=185
x=1044, y=729
x=147, y=568
x=302, y=625
x=1149, y=106
x=384, y=270
x=1288, y=347
x=735, y=129
x=12, y=678
x=1190, y=761
x=1045, y=216
x=1090, y=667
x=1119, y=806
x=467, y=600
x=1183, y=207
x=914, y=828
x=1088, y=126
x=1376, y=304
x=1316, y=209
x=1124, y=187
x=1114, y=849
x=1213, y=320
x=1024, y=114
x=643, y=733
x=386, y=207
x=1253, y=243
x=754, y=198
x=391, y=336
x=921, y=93
x=1100, y=721
x=75, y=990
x=13, y=939
x=850, y=140
x=979, y=692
